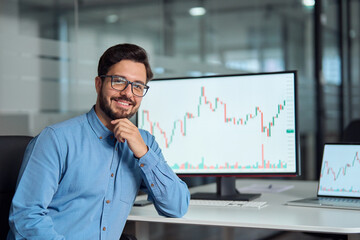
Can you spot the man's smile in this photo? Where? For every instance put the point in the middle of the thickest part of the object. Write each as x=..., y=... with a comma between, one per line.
x=123, y=103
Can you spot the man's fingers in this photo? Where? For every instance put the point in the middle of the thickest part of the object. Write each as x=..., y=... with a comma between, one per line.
x=115, y=121
x=125, y=130
x=122, y=120
x=122, y=131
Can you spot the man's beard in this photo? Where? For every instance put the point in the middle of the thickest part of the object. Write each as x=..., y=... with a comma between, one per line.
x=110, y=113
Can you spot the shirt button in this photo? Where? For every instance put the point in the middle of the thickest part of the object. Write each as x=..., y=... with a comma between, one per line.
x=107, y=201
x=100, y=137
x=111, y=137
x=104, y=228
x=152, y=184
x=112, y=175
x=141, y=165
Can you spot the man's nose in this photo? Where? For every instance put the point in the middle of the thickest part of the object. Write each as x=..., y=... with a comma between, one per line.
x=127, y=91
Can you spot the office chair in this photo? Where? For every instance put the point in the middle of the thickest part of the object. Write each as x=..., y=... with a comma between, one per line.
x=352, y=132
x=127, y=237
x=12, y=150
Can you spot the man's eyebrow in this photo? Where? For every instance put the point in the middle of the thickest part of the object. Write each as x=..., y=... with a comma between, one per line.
x=136, y=81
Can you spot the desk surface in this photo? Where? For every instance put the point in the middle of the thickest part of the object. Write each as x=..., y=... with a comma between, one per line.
x=275, y=216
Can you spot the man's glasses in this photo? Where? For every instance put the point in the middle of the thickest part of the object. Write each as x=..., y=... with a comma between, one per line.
x=119, y=83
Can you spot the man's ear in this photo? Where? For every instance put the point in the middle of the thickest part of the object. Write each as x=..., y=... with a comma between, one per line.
x=98, y=83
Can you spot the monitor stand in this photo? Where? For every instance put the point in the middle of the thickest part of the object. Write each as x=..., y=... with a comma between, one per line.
x=226, y=190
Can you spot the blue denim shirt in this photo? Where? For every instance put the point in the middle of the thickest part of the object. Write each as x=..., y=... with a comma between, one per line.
x=77, y=182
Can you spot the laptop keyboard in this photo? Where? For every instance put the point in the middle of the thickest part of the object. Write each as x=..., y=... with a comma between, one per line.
x=339, y=201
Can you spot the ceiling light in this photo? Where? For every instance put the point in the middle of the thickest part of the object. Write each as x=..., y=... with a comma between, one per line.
x=197, y=11
x=112, y=18
x=159, y=70
x=308, y=3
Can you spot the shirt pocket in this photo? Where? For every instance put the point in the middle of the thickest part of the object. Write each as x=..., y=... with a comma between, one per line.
x=129, y=183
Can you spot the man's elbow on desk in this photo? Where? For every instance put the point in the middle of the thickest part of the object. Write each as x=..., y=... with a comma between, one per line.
x=182, y=208
x=175, y=211
x=175, y=207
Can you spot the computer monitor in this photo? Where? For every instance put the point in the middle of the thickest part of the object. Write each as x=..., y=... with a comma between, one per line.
x=226, y=126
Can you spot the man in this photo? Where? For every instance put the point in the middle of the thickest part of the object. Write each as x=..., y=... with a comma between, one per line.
x=79, y=178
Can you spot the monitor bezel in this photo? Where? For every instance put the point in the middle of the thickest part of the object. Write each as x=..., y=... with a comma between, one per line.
x=239, y=174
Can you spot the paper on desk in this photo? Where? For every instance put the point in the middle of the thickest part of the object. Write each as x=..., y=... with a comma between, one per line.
x=264, y=188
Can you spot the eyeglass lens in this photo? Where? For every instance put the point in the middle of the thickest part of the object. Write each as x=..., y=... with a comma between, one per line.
x=120, y=84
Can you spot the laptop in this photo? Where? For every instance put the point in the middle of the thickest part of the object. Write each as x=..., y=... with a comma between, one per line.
x=339, y=183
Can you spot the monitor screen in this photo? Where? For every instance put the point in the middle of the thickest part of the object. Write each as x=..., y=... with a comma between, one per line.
x=229, y=125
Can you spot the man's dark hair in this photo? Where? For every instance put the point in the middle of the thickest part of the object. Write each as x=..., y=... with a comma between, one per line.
x=124, y=51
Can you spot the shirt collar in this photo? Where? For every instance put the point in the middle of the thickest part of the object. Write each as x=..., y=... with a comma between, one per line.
x=97, y=126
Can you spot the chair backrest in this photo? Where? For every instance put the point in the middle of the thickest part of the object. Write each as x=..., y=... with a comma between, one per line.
x=352, y=132
x=12, y=150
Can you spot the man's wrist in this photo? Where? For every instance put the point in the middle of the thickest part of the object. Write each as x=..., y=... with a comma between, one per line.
x=141, y=155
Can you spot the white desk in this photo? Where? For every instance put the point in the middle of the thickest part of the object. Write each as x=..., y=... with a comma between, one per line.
x=275, y=216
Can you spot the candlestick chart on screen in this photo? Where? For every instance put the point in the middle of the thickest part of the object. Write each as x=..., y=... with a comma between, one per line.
x=339, y=171
x=207, y=126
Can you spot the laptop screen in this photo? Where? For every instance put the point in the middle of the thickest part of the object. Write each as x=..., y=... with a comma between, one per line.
x=340, y=171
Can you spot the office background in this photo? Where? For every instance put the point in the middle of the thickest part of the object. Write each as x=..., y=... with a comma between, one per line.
x=49, y=52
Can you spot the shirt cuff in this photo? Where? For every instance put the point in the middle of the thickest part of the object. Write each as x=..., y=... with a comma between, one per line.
x=149, y=160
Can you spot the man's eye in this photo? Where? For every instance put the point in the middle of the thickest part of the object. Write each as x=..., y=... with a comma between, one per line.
x=138, y=86
x=119, y=81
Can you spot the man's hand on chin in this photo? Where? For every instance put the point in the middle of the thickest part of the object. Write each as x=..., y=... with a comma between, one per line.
x=123, y=130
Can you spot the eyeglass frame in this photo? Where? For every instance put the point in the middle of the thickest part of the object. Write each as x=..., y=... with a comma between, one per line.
x=146, y=87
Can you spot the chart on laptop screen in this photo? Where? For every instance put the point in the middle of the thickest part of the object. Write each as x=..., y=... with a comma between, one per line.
x=340, y=171
x=226, y=124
